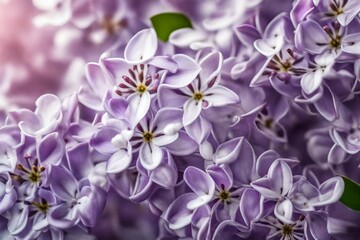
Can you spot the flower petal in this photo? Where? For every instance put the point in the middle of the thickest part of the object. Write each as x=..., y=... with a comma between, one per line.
x=219, y=96
x=227, y=152
x=51, y=149
x=63, y=184
x=177, y=215
x=141, y=47
x=284, y=211
x=119, y=161
x=150, y=156
x=202, y=184
x=187, y=70
x=210, y=67
x=192, y=110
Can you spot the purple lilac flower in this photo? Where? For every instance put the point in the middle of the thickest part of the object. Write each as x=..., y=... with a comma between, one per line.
x=240, y=127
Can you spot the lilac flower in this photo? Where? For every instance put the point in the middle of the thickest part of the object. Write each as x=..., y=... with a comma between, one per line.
x=343, y=11
x=274, y=37
x=276, y=187
x=204, y=92
x=44, y=120
x=76, y=202
x=312, y=80
x=328, y=38
x=243, y=135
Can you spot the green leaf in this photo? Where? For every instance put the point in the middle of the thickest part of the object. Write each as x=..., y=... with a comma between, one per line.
x=165, y=23
x=351, y=195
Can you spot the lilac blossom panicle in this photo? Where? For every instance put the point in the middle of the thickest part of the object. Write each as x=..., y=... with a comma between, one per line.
x=242, y=126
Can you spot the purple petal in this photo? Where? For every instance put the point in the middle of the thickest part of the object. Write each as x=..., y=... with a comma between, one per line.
x=116, y=68
x=210, y=67
x=330, y=191
x=187, y=70
x=219, y=96
x=101, y=141
x=183, y=145
x=82, y=13
x=186, y=36
x=264, y=162
x=309, y=35
x=166, y=174
x=201, y=184
x=227, y=152
x=251, y=206
x=222, y=176
x=63, y=184
x=247, y=34
x=244, y=165
x=63, y=216
x=199, y=130
x=170, y=98
x=138, y=107
x=351, y=43
x=51, y=149
x=177, y=215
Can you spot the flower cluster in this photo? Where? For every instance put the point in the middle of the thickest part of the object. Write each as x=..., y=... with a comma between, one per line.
x=236, y=128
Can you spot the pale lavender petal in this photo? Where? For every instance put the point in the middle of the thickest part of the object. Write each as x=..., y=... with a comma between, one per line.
x=119, y=161
x=150, y=156
x=284, y=211
x=251, y=206
x=63, y=184
x=192, y=110
x=51, y=149
x=187, y=70
x=219, y=96
x=210, y=67
x=330, y=191
x=222, y=176
x=183, y=145
x=141, y=47
x=177, y=215
x=201, y=184
x=227, y=152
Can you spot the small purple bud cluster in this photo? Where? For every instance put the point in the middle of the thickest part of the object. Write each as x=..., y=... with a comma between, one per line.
x=237, y=128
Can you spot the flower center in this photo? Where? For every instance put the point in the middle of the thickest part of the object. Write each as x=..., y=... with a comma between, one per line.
x=33, y=175
x=42, y=207
x=198, y=96
x=268, y=123
x=335, y=42
x=111, y=26
x=141, y=88
x=224, y=195
x=148, y=136
x=287, y=230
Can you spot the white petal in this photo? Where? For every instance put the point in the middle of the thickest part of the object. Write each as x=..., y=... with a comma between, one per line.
x=185, y=36
x=165, y=139
x=138, y=107
x=311, y=81
x=192, y=110
x=141, y=47
x=150, y=156
x=219, y=96
x=284, y=210
x=269, y=47
x=198, y=202
x=119, y=161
